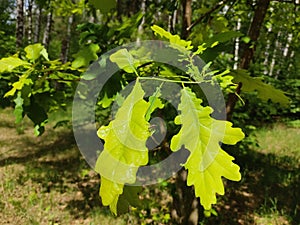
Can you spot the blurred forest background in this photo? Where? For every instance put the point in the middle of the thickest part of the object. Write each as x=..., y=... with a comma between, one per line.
x=46, y=46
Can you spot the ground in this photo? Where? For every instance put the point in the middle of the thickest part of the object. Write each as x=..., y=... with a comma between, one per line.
x=45, y=180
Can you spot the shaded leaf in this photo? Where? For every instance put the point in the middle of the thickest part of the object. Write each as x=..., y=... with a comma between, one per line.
x=104, y=5
x=129, y=197
x=264, y=91
x=85, y=56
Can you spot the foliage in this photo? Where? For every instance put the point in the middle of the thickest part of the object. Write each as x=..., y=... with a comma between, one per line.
x=125, y=147
x=201, y=135
x=39, y=85
x=126, y=135
x=264, y=91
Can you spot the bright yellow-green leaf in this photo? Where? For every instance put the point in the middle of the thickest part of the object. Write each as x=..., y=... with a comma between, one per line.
x=201, y=135
x=155, y=103
x=124, y=60
x=10, y=63
x=174, y=39
x=264, y=91
x=33, y=52
x=125, y=147
x=105, y=102
x=19, y=85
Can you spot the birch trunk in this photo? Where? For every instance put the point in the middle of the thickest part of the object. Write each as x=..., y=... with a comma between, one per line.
x=46, y=38
x=141, y=26
x=20, y=23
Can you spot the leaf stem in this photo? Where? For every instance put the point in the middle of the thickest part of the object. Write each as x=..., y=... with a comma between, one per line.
x=172, y=81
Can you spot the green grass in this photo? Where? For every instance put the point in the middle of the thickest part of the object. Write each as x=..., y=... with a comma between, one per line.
x=45, y=180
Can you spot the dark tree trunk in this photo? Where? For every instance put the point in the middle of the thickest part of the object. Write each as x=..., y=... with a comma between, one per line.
x=66, y=42
x=185, y=204
x=20, y=23
x=254, y=31
x=29, y=19
x=46, y=39
x=119, y=9
x=186, y=18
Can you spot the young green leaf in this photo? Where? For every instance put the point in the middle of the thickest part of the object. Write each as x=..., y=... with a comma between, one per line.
x=10, y=63
x=201, y=135
x=125, y=147
x=124, y=60
x=155, y=103
x=174, y=39
x=19, y=85
x=33, y=52
x=85, y=56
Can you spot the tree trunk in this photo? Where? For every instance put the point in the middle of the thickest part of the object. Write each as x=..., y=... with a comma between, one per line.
x=20, y=23
x=66, y=42
x=141, y=26
x=254, y=31
x=274, y=54
x=186, y=18
x=267, y=53
x=46, y=39
x=38, y=24
x=185, y=204
x=29, y=19
x=237, y=45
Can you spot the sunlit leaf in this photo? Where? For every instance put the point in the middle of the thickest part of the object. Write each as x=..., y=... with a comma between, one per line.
x=10, y=63
x=155, y=103
x=201, y=135
x=174, y=39
x=125, y=147
x=33, y=52
x=19, y=85
x=124, y=60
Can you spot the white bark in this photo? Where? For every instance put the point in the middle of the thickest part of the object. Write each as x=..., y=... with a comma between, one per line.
x=237, y=46
x=46, y=38
x=141, y=26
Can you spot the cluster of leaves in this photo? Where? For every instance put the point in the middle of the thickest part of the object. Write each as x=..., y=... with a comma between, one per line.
x=126, y=135
x=38, y=85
